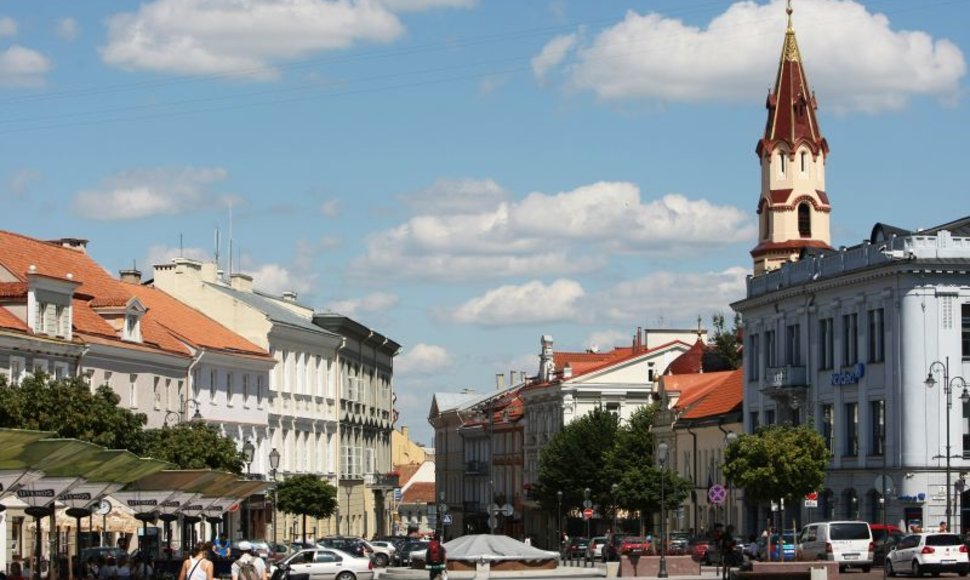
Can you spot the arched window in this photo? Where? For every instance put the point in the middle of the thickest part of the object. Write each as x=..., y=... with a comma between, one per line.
x=764, y=222
x=804, y=220
x=782, y=162
x=804, y=158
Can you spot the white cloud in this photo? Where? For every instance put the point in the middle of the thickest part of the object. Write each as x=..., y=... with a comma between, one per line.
x=68, y=29
x=552, y=55
x=161, y=254
x=530, y=303
x=493, y=83
x=674, y=297
x=240, y=38
x=275, y=279
x=457, y=196
x=374, y=302
x=8, y=27
x=562, y=234
x=422, y=359
x=853, y=58
x=21, y=181
x=605, y=340
x=330, y=208
x=22, y=67
x=142, y=193
x=418, y=5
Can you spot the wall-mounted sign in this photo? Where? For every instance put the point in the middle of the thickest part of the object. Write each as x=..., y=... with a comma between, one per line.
x=850, y=376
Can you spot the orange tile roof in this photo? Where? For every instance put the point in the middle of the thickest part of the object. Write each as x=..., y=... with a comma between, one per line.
x=406, y=471
x=725, y=395
x=689, y=362
x=189, y=324
x=419, y=492
x=13, y=289
x=11, y=322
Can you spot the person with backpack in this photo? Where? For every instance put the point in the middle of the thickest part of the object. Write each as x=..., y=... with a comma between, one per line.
x=248, y=566
x=435, y=559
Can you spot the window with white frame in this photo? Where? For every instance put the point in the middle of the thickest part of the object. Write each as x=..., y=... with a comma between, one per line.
x=259, y=391
x=133, y=390
x=245, y=389
x=157, y=393
x=213, y=376
x=41, y=366
x=61, y=370
x=132, y=327
x=230, y=392
x=18, y=369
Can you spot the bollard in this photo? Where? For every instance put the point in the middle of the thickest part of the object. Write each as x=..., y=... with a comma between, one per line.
x=819, y=573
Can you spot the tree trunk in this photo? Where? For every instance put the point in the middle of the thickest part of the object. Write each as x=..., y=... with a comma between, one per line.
x=304, y=527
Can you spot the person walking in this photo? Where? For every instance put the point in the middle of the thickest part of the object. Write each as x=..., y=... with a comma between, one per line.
x=435, y=558
x=249, y=566
x=197, y=566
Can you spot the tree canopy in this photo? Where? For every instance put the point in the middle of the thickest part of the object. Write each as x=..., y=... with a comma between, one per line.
x=194, y=445
x=306, y=495
x=726, y=341
x=632, y=464
x=69, y=408
x=575, y=459
x=777, y=461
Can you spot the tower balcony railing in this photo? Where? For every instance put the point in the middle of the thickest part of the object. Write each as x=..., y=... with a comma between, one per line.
x=785, y=376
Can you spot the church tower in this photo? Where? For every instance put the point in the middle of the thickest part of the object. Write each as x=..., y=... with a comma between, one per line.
x=793, y=211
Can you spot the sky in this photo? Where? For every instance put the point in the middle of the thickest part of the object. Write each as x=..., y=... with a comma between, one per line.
x=465, y=176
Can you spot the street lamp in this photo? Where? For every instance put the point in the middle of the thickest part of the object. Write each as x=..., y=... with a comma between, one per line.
x=613, y=489
x=662, y=459
x=274, y=463
x=948, y=385
x=559, y=516
x=729, y=439
x=248, y=451
x=587, y=505
x=350, y=490
x=180, y=415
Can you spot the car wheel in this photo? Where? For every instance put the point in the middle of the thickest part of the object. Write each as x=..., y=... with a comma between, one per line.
x=890, y=571
x=345, y=575
x=866, y=569
x=380, y=560
x=917, y=570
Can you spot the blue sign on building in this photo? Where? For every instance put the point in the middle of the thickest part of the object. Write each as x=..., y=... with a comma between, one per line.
x=849, y=376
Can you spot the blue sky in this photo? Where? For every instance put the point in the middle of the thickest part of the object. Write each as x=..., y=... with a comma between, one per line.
x=465, y=176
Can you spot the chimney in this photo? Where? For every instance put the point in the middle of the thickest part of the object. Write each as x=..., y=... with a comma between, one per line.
x=241, y=282
x=567, y=371
x=500, y=381
x=405, y=431
x=78, y=244
x=289, y=296
x=132, y=276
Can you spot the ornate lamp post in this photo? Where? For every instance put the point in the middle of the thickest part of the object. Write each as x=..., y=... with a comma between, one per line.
x=729, y=440
x=274, y=463
x=585, y=506
x=248, y=451
x=662, y=460
x=948, y=385
x=613, y=489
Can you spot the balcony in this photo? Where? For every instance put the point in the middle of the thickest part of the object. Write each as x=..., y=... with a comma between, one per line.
x=784, y=377
x=476, y=468
x=389, y=480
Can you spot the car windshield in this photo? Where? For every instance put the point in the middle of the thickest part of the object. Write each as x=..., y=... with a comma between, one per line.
x=943, y=540
x=849, y=531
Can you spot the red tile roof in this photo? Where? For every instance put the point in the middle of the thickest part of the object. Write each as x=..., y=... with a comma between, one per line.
x=13, y=289
x=689, y=362
x=11, y=322
x=419, y=492
x=406, y=471
x=706, y=394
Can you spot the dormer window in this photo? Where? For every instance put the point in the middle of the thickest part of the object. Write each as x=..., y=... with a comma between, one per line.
x=132, y=327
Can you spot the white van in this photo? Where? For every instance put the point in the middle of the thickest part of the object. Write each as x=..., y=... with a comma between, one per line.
x=848, y=543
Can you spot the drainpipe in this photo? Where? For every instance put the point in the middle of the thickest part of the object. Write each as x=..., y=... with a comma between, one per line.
x=191, y=383
x=77, y=365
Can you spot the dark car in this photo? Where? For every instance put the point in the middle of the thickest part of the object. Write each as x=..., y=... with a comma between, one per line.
x=576, y=548
x=678, y=544
x=352, y=546
x=884, y=537
x=611, y=550
x=403, y=556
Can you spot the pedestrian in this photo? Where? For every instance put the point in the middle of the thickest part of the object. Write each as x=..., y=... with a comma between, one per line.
x=197, y=566
x=249, y=566
x=942, y=528
x=110, y=569
x=222, y=547
x=436, y=559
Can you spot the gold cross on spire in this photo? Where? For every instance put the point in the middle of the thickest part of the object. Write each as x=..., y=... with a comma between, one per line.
x=789, y=11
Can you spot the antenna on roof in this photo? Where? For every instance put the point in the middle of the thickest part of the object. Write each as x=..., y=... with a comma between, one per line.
x=181, y=246
x=230, y=237
x=217, y=247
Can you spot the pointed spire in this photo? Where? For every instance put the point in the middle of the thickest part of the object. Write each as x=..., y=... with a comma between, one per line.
x=791, y=105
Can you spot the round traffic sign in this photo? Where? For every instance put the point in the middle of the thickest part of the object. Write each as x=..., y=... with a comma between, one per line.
x=811, y=496
x=885, y=484
x=587, y=503
x=588, y=513
x=492, y=522
x=717, y=494
x=234, y=508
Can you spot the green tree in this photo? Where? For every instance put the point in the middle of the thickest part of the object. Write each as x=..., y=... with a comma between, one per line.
x=575, y=459
x=632, y=464
x=777, y=461
x=193, y=445
x=306, y=495
x=726, y=341
x=69, y=408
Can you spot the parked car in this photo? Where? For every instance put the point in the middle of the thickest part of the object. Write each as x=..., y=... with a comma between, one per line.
x=576, y=548
x=595, y=549
x=884, y=537
x=849, y=543
x=383, y=552
x=326, y=564
x=781, y=546
x=354, y=546
x=678, y=543
x=634, y=545
x=698, y=549
x=713, y=554
x=611, y=549
x=414, y=545
x=928, y=553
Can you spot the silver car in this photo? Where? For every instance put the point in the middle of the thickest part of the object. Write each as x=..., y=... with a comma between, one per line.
x=328, y=564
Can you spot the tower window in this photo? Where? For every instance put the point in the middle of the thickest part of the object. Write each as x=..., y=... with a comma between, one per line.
x=782, y=162
x=804, y=158
x=804, y=221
